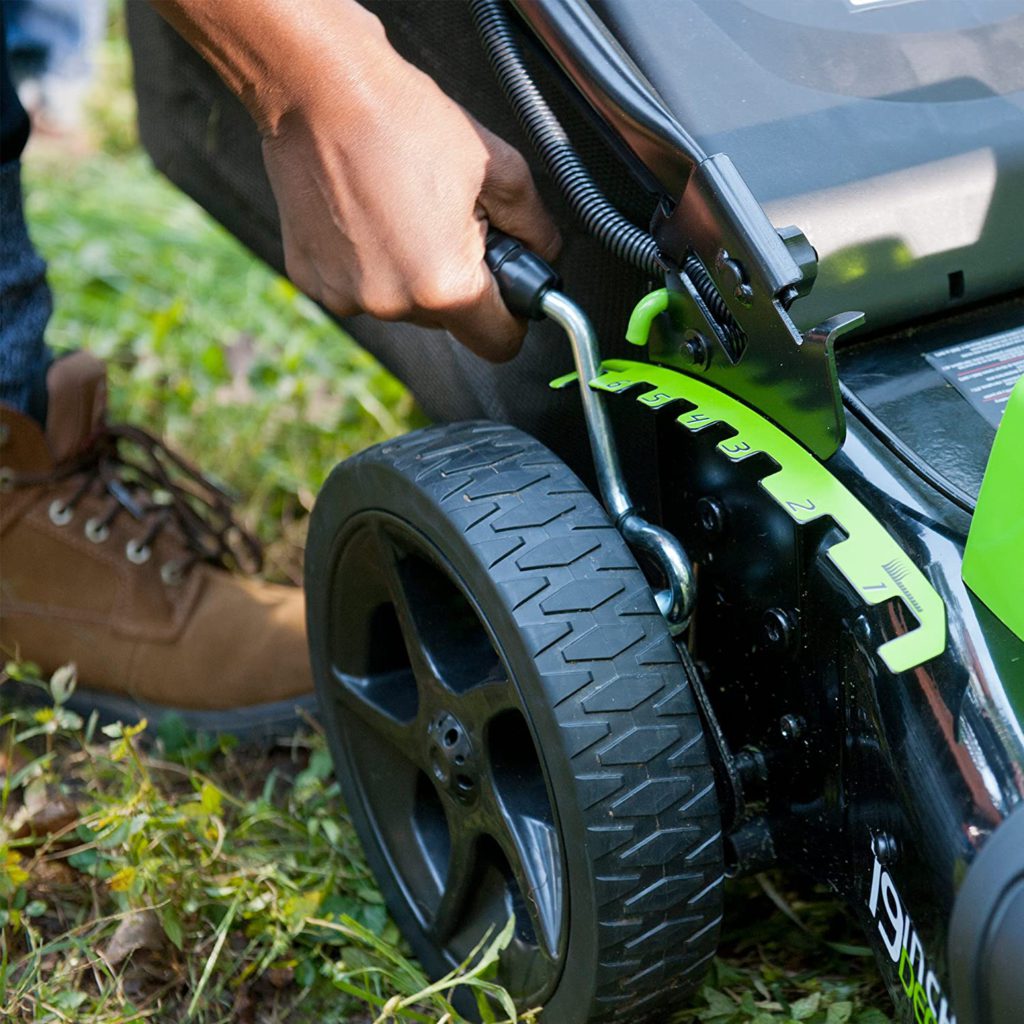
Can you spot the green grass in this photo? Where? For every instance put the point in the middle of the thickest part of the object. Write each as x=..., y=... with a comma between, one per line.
x=240, y=865
x=185, y=879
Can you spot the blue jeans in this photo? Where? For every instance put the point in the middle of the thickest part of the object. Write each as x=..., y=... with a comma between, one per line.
x=53, y=37
x=25, y=304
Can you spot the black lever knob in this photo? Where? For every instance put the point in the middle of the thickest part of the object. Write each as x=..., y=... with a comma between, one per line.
x=523, y=277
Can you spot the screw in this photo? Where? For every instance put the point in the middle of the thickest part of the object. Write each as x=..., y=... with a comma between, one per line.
x=885, y=847
x=697, y=347
x=711, y=516
x=788, y=296
x=732, y=276
x=778, y=628
x=791, y=727
x=862, y=631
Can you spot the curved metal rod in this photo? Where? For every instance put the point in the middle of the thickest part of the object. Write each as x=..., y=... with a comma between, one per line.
x=676, y=600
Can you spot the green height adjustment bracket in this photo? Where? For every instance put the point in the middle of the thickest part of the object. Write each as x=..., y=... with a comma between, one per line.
x=994, y=559
x=874, y=565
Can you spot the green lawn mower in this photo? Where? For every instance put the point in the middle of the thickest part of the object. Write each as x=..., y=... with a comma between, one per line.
x=725, y=570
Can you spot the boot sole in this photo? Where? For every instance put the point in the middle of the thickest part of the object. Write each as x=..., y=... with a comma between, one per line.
x=257, y=723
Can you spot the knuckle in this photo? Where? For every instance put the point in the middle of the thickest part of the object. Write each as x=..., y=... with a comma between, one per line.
x=442, y=292
x=338, y=300
x=306, y=282
x=386, y=304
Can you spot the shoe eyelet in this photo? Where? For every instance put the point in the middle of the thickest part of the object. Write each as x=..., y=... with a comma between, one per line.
x=137, y=553
x=171, y=574
x=60, y=514
x=96, y=531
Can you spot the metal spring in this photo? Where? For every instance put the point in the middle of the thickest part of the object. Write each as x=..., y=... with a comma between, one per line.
x=708, y=291
x=628, y=242
x=542, y=127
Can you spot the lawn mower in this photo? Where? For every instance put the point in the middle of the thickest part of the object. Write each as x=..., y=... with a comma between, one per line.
x=726, y=570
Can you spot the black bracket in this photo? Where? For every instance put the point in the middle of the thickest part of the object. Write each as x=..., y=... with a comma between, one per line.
x=736, y=273
x=760, y=356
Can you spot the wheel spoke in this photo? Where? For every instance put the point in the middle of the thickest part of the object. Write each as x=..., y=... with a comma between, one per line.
x=457, y=889
x=384, y=703
x=449, y=648
x=409, y=607
x=487, y=700
x=531, y=846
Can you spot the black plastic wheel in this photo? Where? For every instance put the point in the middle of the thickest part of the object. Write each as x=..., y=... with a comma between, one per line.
x=511, y=723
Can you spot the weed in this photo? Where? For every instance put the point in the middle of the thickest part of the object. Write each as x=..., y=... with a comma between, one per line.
x=135, y=885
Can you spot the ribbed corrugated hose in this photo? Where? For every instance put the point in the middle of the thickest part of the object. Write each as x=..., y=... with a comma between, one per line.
x=627, y=241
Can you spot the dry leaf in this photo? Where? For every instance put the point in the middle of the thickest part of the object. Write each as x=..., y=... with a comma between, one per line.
x=46, y=810
x=138, y=930
x=244, y=1009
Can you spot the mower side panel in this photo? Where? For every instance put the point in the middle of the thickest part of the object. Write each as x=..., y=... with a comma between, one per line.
x=884, y=785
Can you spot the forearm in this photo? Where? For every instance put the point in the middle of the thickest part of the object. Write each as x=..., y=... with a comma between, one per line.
x=278, y=55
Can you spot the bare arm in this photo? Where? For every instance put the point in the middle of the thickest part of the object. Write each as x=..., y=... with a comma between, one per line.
x=385, y=186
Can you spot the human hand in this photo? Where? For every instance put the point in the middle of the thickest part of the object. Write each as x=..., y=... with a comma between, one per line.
x=384, y=185
x=385, y=209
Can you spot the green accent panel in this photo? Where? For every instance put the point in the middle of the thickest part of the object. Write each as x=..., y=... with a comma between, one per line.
x=869, y=559
x=640, y=320
x=994, y=559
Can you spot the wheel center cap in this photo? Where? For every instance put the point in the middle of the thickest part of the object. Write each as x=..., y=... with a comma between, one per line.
x=452, y=758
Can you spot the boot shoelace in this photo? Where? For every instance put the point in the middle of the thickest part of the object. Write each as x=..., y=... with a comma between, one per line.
x=160, y=490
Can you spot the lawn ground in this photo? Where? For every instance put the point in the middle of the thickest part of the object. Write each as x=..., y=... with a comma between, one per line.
x=185, y=878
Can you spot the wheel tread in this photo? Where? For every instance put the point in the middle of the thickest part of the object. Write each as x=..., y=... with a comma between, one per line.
x=627, y=715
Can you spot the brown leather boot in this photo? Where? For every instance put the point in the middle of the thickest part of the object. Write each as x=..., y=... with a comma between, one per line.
x=113, y=556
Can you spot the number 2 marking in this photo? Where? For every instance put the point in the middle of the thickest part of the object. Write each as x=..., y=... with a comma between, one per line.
x=802, y=506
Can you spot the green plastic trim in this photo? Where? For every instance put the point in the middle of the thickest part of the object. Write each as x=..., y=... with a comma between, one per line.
x=994, y=559
x=869, y=559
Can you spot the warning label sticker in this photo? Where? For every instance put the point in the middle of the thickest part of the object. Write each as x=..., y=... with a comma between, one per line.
x=984, y=371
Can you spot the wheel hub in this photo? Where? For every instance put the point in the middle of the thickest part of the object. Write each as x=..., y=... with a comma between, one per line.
x=452, y=757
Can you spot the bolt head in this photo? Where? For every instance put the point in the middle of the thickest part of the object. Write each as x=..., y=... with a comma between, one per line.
x=886, y=847
x=697, y=347
x=791, y=727
x=711, y=516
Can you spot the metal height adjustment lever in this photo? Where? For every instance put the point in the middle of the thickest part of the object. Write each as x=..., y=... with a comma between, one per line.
x=530, y=288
